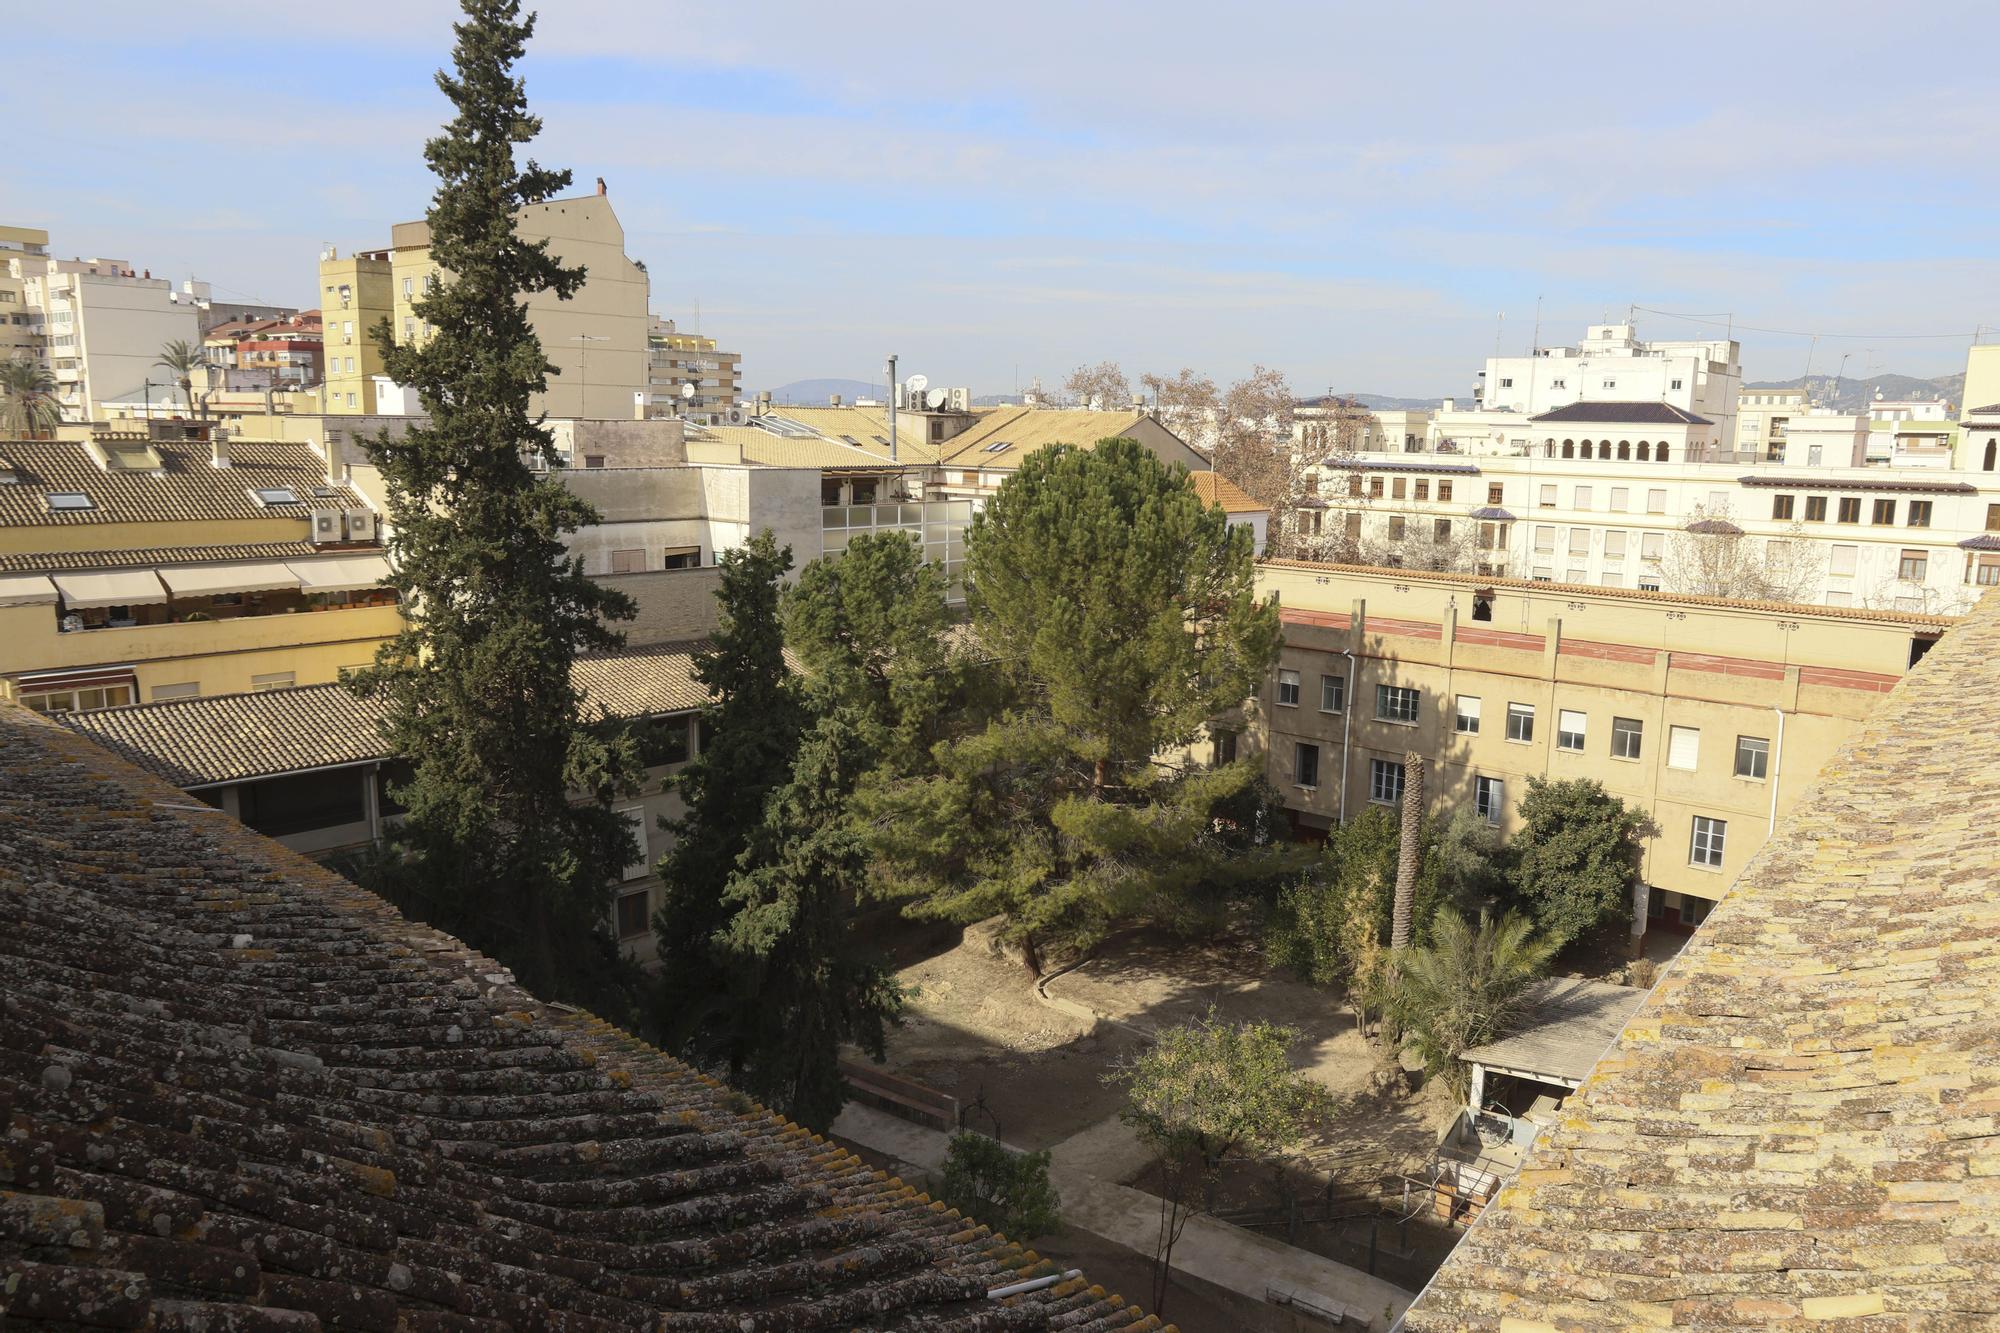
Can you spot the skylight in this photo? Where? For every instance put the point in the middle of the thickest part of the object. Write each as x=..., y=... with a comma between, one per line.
x=274, y=495
x=996, y=446
x=60, y=501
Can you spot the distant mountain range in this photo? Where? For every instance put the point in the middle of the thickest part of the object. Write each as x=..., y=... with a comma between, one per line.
x=1853, y=394
x=814, y=393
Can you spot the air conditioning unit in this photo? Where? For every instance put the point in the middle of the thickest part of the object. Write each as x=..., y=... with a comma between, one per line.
x=361, y=525
x=325, y=527
x=737, y=416
x=959, y=400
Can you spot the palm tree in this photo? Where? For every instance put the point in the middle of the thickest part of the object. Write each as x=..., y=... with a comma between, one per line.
x=1467, y=987
x=183, y=358
x=27, y=398
x=1410, y=851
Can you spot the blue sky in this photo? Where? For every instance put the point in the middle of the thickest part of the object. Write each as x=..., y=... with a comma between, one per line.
x=1355, y=194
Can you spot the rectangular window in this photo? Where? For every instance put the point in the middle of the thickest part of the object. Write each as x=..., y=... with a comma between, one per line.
x=1548, y=497
x=1441, y=529
x=1582, y=498
x=1683, y=747
x=1993, y=518
x=1385, y=781
x=1332, y=693
x=1489, y=796
x=1579, y=541
x=1465, y=716
x=1520, y=722
x=1423, y=488
x=1656, y=502
x=628, y=561
x=682, y=557
x=1225, y=747
x=1850, y=509
x=303, y=803
x=1677, y=384
x=1571, y=728
x=1545, y=538
x=635, y=819
x=1920, y=513
x=1444, y=492
x=1288, y=689
x=1815, y=509
x=1621, y=499
x=1614, y=546
x=635, y=913
x=1397, y=490
x=1652, y=545
x=1706, y=847
x=1627, y=734
x=185, y=690
x=1394, y=703
x=1753, y=757
x=1374, y=488
x=1305, y=764
x=1913, y=566
x=663, y=740
x=1396, y=527
x=1781, y=506
x=1493, y=492
x=1841, y=561
x=1885, y=513
x=275, y=680
x=1506, y=383
x=1983, y=571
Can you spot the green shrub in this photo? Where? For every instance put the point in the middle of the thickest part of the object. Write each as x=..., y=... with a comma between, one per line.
x=1008, y=1191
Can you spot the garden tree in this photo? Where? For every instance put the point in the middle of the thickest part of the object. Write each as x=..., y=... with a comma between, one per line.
x=798, y=982
x=1577, y=855
x=1254, y=445
x=869, y=629
x=496, y=845
x=750, y=736
x=1007, y=1190
x=183, y=357
x=1103, y=384
x=1120, y=615
x=1709, y=556
x=1189, y=405
x=27, y=398
x=1439, y=545
x=1409, y=851
x=1208, y=1091
x=1467, y=987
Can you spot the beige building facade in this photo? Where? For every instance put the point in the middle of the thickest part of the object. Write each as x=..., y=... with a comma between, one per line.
x=1709, y=717
x=678, y=362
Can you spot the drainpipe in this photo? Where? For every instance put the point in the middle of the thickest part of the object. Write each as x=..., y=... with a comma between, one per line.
x=1777, y=767
x=1032, y=1284
x=1346, y=729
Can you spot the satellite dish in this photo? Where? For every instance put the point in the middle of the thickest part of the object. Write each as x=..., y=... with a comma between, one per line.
x=916, y=384
x=687, y=390
x=936, y=398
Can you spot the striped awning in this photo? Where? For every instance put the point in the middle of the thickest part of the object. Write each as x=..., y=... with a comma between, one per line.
x=124, y=587
x=223, y=580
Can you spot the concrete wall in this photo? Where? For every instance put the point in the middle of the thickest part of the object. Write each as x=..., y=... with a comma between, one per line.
x=673, y=604
x=621, y=443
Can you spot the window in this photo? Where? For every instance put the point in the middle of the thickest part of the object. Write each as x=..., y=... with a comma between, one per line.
x=1841, y=562
x=275, y=680
x=634, y=910
x=628, y=561
x=60, y=501
x=1983, y=570
x=1677, y=384
x=409, y=287
x=1579, y=541
x=1993, y=518
x=1652, y=545
x=185, y=690
x=1545, y=538
x=1649, y=583
x=1288, y=689
x=1753, y=757
x=1547, y=499
x=1913, y=566
x=1465, y=718
x=1488, y=797
x=1885, y=512
x=1920, y=513
x=299, y=804
x=1394, y=703
x=635, y=819
x=1694, y=910
x=682, y=557
x=1398, y=488
x=1396, y=527
x=276, y=495
x=1627, y=733
x=1850, y=509
x=1815, y=509
x=1305, y=764
x=1582, y=498
x=1494, y=490
x=1332, y=693
x=1614, y=545
x=1781, y=506
x=1444, y=492
x=1385, y=781
x=1506, y=382
x=1374, y=488
x=1656, y=501
x=1621, y=499
x=1706, y=848
x=1423, y=491
x=1611, y=384
x=1520, y=722
x=1441, y=529
x=663, y=740
x=1571, y=727
x=1683, y=747
x=1558, y=384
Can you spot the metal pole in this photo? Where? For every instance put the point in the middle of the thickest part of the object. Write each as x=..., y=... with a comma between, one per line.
x=892, y=407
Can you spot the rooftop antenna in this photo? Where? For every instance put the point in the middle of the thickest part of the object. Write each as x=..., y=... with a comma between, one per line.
x=1499, y=323
x=1537, y=346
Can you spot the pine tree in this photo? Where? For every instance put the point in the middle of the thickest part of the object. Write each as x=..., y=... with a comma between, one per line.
x=1122, y=615
x=750, y=733
x=478, y=687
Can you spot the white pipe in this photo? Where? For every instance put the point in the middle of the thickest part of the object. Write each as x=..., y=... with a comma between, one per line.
x=1032, y=1284
x=1777, y=767
x=1346, y=728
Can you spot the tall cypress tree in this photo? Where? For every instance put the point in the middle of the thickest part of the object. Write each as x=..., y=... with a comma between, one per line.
x=478, y=688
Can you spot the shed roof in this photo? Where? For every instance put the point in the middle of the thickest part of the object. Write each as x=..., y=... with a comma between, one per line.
x=1568, y=1024
x=244, y=1093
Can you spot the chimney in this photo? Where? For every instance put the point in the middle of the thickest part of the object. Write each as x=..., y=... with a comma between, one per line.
x=833, y=400
x=218, y=449
x=336, y=469
x=601, y=191
x=149, y=273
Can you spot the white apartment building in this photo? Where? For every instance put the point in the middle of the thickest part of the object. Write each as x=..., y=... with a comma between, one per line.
x=1762, y=416
x=102, y=328
x=1610, y=365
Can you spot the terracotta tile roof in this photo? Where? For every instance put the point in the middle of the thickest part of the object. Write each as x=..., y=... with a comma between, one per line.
x=1025, y=429
x=222, y=738
x=767, y=450
x=188, y=489
x=1621, y=413
x=868, y=428
x=1916, y=619
x=1214, y=488
x=242, y=1093
x=154, y=556
x=1799, y=1123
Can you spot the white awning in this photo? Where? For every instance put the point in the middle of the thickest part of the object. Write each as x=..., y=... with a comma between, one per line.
x=26, y=590
x=350, y=573
x=125, y=587
x=222, y=580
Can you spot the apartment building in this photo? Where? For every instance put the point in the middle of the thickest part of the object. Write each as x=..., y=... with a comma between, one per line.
x=251, y=355
x=688, y=375
x=355, y=296
x=161, y=563
x=102, y=327
x=1762, y=416
x=1702, y=377
x=1711, y=717
x=19, y=322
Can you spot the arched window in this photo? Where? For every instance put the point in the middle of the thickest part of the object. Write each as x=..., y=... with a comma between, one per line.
x=1569, y=449
x=1624, y=450
x=1645, y=451
x=1583, y=449
x=1991, y=445
x=1549, y=448
x=1663, y=451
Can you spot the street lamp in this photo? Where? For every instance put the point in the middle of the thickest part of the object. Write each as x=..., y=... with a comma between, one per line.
x=583, y=341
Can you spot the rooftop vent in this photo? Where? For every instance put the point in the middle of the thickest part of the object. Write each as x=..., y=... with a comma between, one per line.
x=9, y=474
